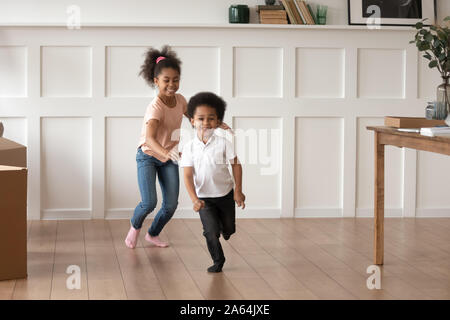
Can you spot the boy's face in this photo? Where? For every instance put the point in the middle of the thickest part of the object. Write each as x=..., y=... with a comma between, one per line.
x=205, y=118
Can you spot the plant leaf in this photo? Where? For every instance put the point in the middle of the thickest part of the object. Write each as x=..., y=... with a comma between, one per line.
x=424, y=46
x=429, y=37
x=442, y=35
x=433, y=64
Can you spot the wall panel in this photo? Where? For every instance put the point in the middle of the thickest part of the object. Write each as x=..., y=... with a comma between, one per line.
x=66, y=173
x=319, y=166
x=66, y=71
x=13, y=71
x=320, y=72
x=303, y=94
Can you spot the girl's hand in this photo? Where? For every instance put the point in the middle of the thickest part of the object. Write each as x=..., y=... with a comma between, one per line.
x=225, y=127
x=199, y=204
x=173, y=155
x=239, y=197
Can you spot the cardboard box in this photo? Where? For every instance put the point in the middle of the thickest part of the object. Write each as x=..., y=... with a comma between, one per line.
x=12, y=153
x=411, y=122
x=13, y=222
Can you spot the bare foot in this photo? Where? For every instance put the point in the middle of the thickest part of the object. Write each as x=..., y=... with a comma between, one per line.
x=132, y=237
x=156, y=241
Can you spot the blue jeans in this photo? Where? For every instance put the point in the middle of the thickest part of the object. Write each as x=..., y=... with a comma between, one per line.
x=168, y=176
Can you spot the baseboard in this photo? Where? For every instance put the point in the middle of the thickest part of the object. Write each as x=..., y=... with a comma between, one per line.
x=66, y=214
x=249, y=213
x=388, y=213
x=318, y=213
x=188, y=213
x=433, y=213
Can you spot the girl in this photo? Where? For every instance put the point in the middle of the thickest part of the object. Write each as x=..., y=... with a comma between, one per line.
x=158, y=145
x=157, y=150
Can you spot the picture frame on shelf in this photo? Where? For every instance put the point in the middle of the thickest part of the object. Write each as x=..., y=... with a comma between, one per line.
x=391, y=12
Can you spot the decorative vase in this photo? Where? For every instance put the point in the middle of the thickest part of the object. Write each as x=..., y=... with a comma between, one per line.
x=443, y=101
x=238, y=13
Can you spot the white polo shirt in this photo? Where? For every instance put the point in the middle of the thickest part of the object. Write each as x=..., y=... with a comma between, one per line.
x=212, y=179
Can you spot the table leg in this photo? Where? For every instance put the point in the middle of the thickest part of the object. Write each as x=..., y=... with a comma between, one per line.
x=379, y=202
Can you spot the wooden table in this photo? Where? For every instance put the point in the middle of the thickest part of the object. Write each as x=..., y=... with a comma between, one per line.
x=391, y=136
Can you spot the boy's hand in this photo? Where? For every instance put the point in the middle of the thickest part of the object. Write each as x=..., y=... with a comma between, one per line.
x=225, y=127
x=199, y=204
x=239, y=197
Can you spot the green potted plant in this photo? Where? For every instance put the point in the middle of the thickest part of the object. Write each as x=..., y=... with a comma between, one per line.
x=434, y=42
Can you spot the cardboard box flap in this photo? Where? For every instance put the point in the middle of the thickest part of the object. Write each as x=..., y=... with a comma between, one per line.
x=6, y=144
x=11, y=168
x=12, y=153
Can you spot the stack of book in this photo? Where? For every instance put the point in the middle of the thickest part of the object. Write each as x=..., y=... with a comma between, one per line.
x=435, y=131
x=272, y=15
x=298, y=12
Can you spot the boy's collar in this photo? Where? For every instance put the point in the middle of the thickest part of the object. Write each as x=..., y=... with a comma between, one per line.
x=211, y=138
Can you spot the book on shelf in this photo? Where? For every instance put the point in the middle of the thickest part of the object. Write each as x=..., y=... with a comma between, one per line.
x=269, y=7
x=305, y=11
x=297, y=16
x=272, y=17
x=289, y=12
x=312, y=13
x=297, y=7
x=435, y=131
x=274, y=21
x=272, y=14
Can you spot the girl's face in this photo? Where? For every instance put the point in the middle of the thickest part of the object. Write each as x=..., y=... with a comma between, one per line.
x=168, y=82
x=205, y=120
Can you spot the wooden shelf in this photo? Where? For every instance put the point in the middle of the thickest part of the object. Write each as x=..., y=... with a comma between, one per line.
x=209, y=26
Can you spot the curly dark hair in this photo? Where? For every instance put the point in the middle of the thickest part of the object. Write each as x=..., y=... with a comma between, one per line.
x=209, y=99
x=150, y=69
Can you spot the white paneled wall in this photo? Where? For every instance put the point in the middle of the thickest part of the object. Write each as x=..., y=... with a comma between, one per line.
x=319, y=167
x=66, y=168
x=66, y=71
x=299, y=99
x=264, y=64
x=122, y=192
x=328, y=64
x=13, y=61
x=122, y=68
x=385, y=64
x=258, y=145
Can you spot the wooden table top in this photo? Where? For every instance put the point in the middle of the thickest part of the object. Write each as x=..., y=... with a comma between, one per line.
x=394, y=131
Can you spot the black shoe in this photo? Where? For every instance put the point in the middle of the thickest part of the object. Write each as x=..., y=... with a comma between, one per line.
x=226, y=236
x=216, y=267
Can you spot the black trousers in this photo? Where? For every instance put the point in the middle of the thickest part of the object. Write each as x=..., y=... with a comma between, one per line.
x=218, y=216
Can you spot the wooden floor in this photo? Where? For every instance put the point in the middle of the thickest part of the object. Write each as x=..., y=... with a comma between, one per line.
x=266, y=259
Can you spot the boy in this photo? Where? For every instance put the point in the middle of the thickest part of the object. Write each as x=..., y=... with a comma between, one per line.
x=209, y=183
